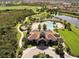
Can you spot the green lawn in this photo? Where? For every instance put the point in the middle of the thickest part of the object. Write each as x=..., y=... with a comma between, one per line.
x=18, y=35
x=71, y=38
x=29, y=46
x=25, y=33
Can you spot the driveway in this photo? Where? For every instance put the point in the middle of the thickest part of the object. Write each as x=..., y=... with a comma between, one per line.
x=30, y=52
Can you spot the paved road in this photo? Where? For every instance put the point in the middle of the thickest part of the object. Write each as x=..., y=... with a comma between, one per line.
x=30, y=52
x=22, y=35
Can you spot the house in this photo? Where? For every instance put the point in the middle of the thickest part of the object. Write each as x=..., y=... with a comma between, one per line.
x=43, y=37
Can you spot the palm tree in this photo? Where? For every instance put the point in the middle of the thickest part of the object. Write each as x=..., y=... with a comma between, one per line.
x=44, y=27
x=68, y=50
x=61, y=20
x=56, y=28
x=61, y=53
x=65, y=22
x=54, y=22
x=39, y=27
x=69, y=26
x=59, y=49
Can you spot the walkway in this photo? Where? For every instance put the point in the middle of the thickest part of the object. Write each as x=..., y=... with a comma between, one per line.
x=22, y=35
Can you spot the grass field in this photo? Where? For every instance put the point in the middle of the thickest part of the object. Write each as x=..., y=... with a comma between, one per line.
x=25, y=33
x=29, y=46
x=18, y=35
x=71, y=38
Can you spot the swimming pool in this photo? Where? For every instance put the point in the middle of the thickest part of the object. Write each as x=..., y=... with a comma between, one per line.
x=50, y=25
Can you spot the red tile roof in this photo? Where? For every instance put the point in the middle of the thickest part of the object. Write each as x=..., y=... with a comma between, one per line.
x=49, y=35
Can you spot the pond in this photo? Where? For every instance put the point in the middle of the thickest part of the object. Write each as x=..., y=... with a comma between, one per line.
x=69, y=19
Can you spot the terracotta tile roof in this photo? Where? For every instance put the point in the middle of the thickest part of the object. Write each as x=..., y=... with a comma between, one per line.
x=34, y=35
x=49, y=35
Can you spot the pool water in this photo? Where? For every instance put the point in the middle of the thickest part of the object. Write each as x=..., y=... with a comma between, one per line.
x=50, y=25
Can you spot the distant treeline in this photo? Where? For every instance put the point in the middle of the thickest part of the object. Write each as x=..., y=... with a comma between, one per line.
x=30, y=4
x=73, y=13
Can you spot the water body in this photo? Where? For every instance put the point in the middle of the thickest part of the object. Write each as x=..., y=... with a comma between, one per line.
x=69, y=19
x=50, y=25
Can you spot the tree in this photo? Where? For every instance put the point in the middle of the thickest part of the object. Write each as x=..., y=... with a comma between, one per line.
x=8, y=32
x=65, y=22
x=56, y=28
x=44, y=27
x=61, y=20
x=39, y=27
x=20, y=51
x=25, y=42
x=54, y=22
x=25, y=24
x=68, y=50
x=9, y=43
x=48, y=16
x=42, y=55
x=61, y=53
x=20, y=19
x=69, y=26
x=65, y=26
x=59, y=50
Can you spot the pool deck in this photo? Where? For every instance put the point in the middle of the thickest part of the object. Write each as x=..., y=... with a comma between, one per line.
x=35, y=26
